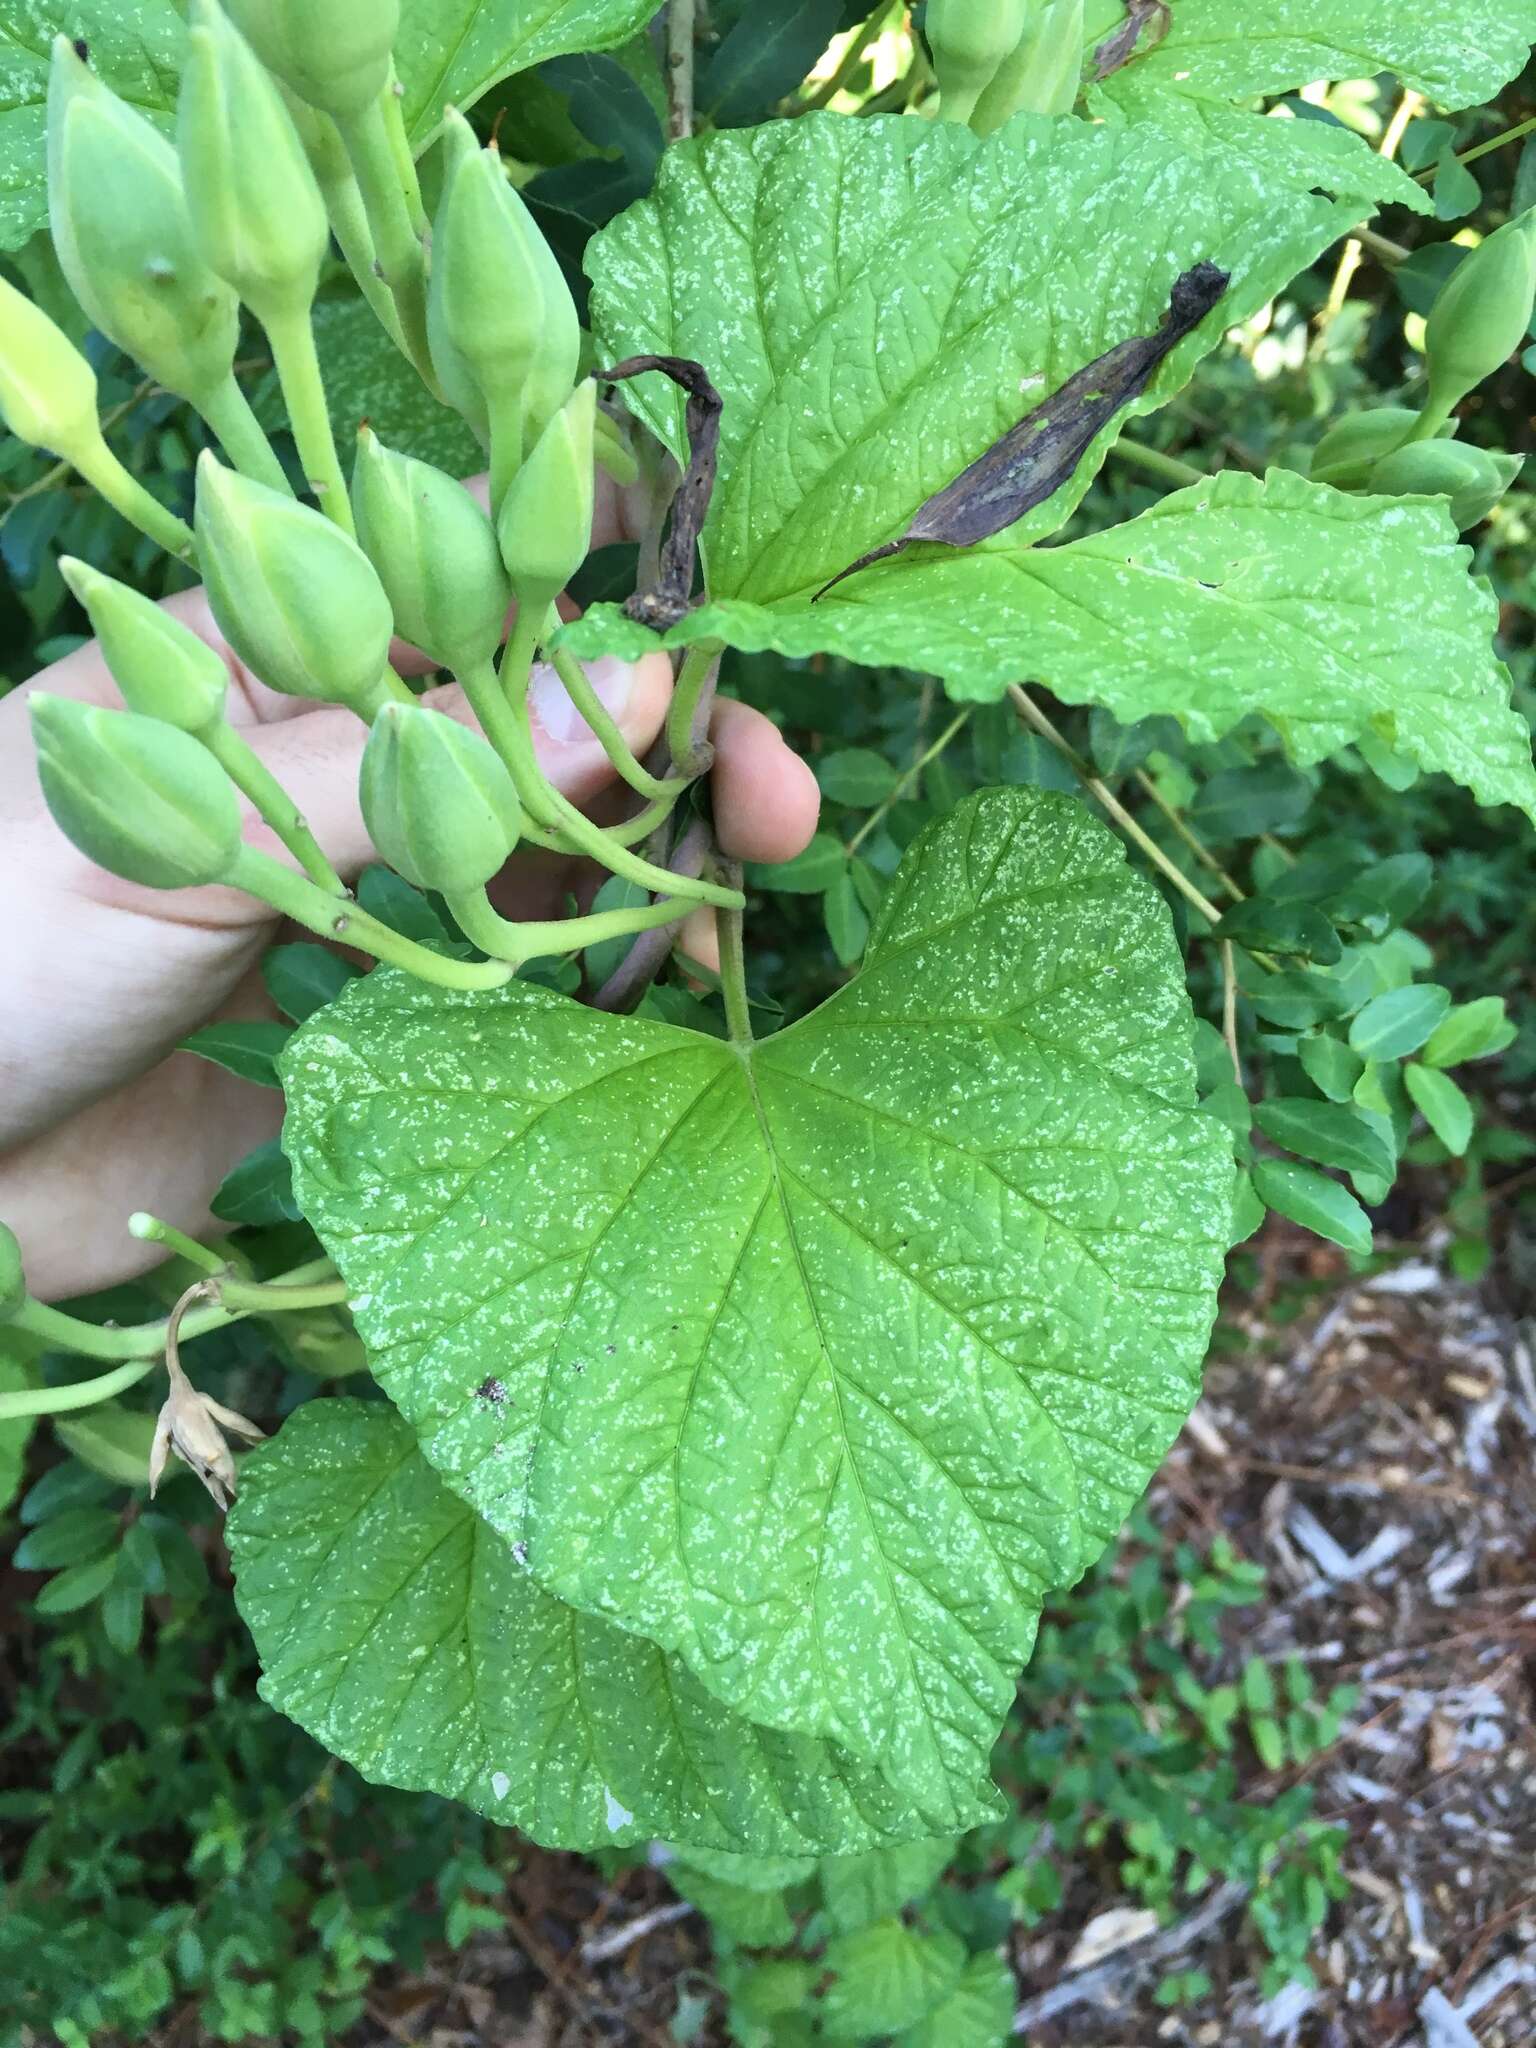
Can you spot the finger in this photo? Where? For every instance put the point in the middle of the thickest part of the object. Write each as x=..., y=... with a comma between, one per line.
x=766, y=798
x=317, y=758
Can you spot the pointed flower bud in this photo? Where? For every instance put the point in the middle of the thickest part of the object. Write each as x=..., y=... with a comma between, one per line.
x=436, y=555
x=124, y=241
x=257, y=215
x=503, y=327
x=296, y=599
x=1481, y=316
x=333, y=53
x=438, y=803
x=545, y=524
x=13, y=1280
x=138, y=798
x=162, y=668
x=971, y=40
x=1352, y=446
x=1474, y=479
x=47, y=388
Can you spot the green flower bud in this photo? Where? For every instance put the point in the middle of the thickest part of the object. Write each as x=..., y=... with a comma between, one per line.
x=971, y=40
x=438, y=803
x=138, y=798
x=163, y=670
x=13, y=1281
x=1481, y=316
x=436, y=555
x=124, y=241
x=296, y=599
x=257, y=215
x=333, y=53
x=460, y=386
x=1043, y=74
x=1352, y=446
x=1474, y=479
x=500, y=316
x=47, y=388
x=544, y=527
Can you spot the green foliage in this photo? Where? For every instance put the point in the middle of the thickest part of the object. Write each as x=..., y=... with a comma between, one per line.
x=748, y=1403
x=868, y=1220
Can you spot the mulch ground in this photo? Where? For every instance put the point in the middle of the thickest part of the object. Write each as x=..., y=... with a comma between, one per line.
x=1377, y=1454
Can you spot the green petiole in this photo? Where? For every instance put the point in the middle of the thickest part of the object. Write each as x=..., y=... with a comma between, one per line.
x=519, y=943
x=298, y=372
x=270, y=881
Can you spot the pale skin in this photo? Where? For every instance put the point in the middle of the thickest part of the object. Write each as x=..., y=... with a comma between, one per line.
x=98, y=1115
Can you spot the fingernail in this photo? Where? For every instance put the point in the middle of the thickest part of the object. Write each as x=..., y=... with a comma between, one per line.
x=613, y=680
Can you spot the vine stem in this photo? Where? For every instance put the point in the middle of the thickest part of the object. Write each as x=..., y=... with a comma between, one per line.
x=240, y=434
x=296, y=897
x=906, y=780
x=402, y=260
x=733, y=967
x=1349, y=261
x=1156, y=463
x=125, y=494
x=681, y=17
x=298, y=372
x=255, y=780
x=518, y=943
x=603, y=724
x=688, y=715
x=140, y=1346
x=645, y=959
x=1101, y=792
x=543, y=802
x=1470, y=156
x=152, y=1230
x=1190, y=837
x=858, y=48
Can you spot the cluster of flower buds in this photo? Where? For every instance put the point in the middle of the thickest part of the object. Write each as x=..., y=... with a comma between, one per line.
x=289, y=132
x=997, y=58
x=1480, y=318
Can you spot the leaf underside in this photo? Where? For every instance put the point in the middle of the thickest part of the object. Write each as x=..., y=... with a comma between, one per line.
x=1331, y=615
x=818, y=1366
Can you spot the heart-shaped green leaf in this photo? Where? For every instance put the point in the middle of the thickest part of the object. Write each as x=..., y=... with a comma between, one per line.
x=404, y=1635
x=818, y=1363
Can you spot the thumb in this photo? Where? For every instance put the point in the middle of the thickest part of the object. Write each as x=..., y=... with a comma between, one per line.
x=316, y=755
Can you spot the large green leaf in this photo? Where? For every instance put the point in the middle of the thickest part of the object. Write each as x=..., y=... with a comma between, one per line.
x=821, y=1363
x=449, y=52
x=1333, y=616
x=1459, y=52
x=879, y=300
x=134, y=44
x=404, y=1634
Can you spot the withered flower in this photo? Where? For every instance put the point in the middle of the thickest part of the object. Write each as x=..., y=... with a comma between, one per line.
x=192, y=1424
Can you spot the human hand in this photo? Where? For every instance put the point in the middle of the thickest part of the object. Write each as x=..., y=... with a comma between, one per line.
x=98, y=1115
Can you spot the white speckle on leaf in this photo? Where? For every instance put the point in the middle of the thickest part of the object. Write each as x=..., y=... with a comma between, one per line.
x=616, y=1814
x=501, y=1784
